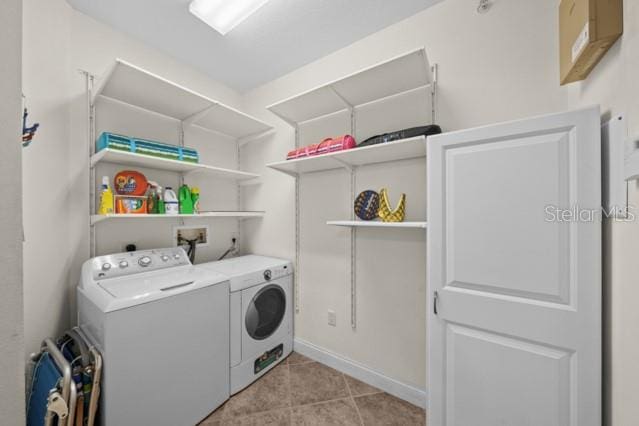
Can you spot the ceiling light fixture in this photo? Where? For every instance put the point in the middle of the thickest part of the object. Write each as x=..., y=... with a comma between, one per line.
x=224, y=15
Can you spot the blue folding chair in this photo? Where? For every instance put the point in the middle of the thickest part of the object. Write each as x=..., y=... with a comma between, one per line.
x=52, y=398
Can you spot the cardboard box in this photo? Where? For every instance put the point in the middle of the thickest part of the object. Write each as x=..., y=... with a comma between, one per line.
x=587, y=29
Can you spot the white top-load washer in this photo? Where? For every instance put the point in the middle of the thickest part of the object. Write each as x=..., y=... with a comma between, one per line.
x=261, y=314
x=162, y=326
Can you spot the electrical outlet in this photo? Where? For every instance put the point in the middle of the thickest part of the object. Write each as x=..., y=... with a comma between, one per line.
x=332, y=319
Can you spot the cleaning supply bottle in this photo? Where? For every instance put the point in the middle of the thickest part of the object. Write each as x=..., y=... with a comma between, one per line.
x=171, y=202
x=161, y=207
x=152, y=198
x=186, y=203
x=152, y=201
x=195, y=198
x=106, y=197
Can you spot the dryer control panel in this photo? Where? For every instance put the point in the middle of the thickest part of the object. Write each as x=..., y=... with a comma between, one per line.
x=122, y=264
x=267, y=275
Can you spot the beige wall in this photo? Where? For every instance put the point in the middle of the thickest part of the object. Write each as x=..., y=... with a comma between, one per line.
x=45, y=84
x=494, y=67
x=11, y=319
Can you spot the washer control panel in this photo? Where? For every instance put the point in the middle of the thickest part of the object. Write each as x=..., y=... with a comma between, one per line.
x=122, y=264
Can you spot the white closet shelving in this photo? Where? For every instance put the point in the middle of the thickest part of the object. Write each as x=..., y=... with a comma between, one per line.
x=137, y=87
x=239, y=215
x=375, y=224
x=399, y=150
x=131, y=159
x=401, y=75
x=130, y=85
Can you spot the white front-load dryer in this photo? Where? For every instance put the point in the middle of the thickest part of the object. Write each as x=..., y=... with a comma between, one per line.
x=261, y=314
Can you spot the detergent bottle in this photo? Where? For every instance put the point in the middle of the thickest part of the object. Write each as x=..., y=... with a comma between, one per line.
x=152, y=198
x=195, y=198
x=106, y=197
x=161, y=207
x=186, y=203
x=171, y=204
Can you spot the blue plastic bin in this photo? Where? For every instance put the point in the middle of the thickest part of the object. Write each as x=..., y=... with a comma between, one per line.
x=146, y=147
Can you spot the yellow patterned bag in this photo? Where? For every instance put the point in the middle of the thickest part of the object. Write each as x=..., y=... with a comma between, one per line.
x=385, y=212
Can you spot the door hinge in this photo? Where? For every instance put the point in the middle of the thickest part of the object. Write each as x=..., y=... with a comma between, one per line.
x=435, y=299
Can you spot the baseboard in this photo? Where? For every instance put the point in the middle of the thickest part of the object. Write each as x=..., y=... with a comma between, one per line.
x=400, y=390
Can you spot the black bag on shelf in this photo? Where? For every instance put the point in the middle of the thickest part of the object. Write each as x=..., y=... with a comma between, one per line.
x=432, y=129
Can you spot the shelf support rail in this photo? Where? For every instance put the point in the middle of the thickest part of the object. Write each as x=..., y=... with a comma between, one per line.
x=89, y=82
x=353, y=250
x=297, y=286
x=238, y=240
x=433, y=94
x=353, y=237
x=353, y=246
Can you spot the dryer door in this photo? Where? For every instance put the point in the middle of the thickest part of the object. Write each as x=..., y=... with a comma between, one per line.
x=265, y=312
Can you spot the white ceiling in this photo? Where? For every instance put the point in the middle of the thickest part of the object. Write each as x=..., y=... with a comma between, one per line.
x=281, y=37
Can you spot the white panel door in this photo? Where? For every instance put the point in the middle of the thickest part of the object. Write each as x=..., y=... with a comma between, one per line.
x=515, y=282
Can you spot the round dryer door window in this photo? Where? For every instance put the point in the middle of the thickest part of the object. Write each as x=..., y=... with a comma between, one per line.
x=265, y=312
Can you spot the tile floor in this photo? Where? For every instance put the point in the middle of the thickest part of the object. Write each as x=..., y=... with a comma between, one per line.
x=300, y=391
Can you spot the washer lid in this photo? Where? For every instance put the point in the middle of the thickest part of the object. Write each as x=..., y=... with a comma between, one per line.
x=125, y=292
